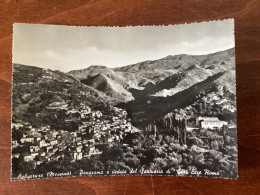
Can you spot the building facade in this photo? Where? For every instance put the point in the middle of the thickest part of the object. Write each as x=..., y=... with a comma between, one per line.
x=210, y=122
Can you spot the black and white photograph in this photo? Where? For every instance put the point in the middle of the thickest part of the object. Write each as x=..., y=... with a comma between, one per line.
x=135, y=100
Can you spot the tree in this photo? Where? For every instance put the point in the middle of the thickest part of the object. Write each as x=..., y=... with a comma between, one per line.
x=114, y=154
x=149, y=155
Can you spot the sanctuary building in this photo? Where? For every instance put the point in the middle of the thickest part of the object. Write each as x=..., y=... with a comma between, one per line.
x=210, y=122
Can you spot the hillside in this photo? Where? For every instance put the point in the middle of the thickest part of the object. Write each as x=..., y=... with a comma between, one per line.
x=195, y=67
x=96, y=70
x=110, y=87
x=149, y=107
x=34, y=89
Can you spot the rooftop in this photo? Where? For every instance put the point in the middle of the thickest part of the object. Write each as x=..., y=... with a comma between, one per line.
x=209, y=119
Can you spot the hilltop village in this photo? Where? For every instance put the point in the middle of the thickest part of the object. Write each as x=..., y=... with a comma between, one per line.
x=44, y=144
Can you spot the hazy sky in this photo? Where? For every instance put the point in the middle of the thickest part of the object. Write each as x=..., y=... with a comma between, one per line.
x=68, y=48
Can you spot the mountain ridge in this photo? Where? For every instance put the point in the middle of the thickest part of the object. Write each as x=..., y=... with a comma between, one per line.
x=176, y=57
x=148, y=80
x=152, y=72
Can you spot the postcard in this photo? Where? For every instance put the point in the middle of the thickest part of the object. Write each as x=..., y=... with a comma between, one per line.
x=137, y=100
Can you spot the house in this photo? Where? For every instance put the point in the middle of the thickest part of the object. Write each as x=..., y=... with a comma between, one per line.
x=210, y=122
x=27, y=140
x=72, y=111
x=16, y=125
x=84, y=115
x=42, y=153
x=92, y=151
x=28, y=157
x=15, y=155
x=79, y=149
x=14, y=144
x=49, y=148
x=36, y=139
x=85, y=111
x=57, y=157
x=33, y=130
x=97, y=114
x=96, y=152
x=34, y=149
x=82, y=128
x=89, y=150
x=115, y=118
x=42, y=143
x=190, y=128
x=124, y=113
x=127, y=127
x=77, y=156
x=57, y=105
x=34, y=154
x=52, y=134
x=54, y=142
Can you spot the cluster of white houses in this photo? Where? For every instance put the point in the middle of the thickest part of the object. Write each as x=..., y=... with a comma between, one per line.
x=46, y=145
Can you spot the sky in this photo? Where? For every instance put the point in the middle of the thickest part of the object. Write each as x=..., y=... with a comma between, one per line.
x=66, y=48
